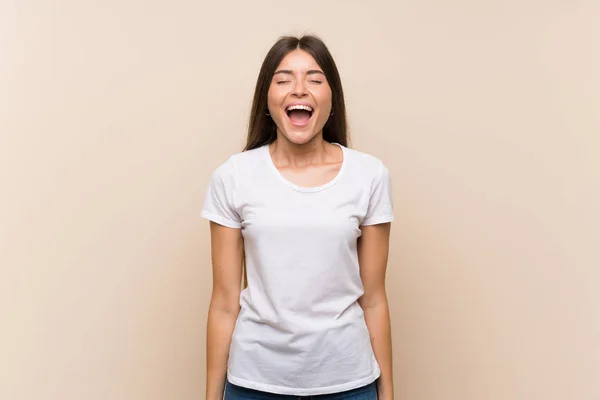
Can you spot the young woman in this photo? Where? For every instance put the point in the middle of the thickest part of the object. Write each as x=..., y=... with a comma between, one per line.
x=306, y=220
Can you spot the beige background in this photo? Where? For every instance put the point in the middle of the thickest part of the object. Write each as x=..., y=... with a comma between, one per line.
x=113, y=114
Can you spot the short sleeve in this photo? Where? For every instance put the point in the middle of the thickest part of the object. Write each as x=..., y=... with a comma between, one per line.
x=218, y=202
x=380, y=209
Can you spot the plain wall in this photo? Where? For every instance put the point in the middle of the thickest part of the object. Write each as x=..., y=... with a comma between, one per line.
x=114, y=113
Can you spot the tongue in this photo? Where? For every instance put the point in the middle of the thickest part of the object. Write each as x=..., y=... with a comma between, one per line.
x=299, y=116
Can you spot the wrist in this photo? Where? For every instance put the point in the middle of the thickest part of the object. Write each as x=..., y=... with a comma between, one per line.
x=384, y=391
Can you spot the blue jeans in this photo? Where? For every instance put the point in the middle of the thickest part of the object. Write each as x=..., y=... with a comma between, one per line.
x=233, y=392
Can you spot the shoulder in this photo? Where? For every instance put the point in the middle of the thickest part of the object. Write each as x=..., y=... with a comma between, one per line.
x=366, y=165
x=373, y=176
x=229, y=169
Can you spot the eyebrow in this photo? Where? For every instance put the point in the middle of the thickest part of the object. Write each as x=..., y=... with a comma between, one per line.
x=309, y=72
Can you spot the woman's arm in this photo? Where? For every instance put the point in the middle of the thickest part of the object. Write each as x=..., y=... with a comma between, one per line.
x=227, y=251
x=373, y=248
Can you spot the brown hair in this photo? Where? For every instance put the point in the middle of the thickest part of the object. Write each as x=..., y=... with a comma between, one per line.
x=261, y=127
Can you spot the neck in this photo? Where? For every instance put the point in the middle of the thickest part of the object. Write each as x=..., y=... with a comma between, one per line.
x=285, y=152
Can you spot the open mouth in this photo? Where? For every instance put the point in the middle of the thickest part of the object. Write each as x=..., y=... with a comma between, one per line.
x=299, y=114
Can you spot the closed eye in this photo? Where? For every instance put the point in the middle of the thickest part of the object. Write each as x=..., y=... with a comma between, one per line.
x=282, y=82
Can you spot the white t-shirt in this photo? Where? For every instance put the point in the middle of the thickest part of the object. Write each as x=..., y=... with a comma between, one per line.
x=300, y=330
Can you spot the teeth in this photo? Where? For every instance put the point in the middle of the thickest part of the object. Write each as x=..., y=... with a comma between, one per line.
x=299, y=107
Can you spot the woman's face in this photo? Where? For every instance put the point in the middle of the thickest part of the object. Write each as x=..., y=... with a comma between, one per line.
x=299, y=97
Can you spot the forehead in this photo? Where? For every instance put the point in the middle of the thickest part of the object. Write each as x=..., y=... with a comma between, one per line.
x=298, y=60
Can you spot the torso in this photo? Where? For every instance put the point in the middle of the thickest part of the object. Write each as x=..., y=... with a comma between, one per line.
x=300, y=330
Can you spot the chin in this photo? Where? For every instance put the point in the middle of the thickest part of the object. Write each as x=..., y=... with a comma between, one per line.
x=299, y=137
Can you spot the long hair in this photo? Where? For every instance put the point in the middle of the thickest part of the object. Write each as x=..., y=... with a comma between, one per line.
x=261, y=127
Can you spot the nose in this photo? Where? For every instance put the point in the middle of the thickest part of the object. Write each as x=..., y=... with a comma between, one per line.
x=299, y=88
